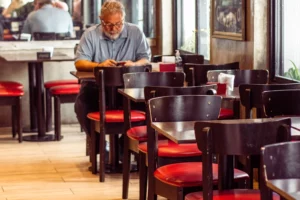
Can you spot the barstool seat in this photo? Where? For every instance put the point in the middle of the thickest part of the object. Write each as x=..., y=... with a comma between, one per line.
x=11, y=84
x=65, y=89
x=11, y=92
x=53, y=83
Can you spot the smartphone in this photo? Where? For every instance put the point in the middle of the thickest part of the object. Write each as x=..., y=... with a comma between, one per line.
x=121, y=63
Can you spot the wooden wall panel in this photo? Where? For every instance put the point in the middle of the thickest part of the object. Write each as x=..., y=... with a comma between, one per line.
x=224, y=50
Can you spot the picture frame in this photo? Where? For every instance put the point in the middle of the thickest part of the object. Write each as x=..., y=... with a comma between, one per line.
x=228, y=19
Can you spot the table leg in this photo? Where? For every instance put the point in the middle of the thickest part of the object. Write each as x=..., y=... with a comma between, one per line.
x=32, y=102
x=37, y=98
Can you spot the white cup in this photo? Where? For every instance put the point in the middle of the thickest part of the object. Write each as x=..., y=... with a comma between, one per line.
x=48, y=49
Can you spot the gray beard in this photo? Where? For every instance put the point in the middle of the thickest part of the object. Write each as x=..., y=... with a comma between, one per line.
x=112, y=37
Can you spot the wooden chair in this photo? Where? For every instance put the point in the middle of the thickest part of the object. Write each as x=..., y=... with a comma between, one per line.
x=281, y=102
x=173, y=181
x=48, y=85
x=251, y=96
x=186, y=58
x=241, y=76
x=196, y=74
x=138, y=134
x=281, y=170
x=227, y=138
x=110, y=117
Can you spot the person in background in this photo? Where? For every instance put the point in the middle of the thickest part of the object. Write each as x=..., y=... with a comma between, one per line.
x=77, y=11
x=24, y=11
x=48, y=18
x=60, y=5
x=15, y=4
x=103, y=45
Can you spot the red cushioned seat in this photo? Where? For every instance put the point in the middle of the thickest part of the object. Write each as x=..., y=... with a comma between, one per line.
x=226, y=113
x=139, y=133
x=65, y=89
x=241, y=194
x=167, y=148
x=113, y=116
x=9, y=92
x=11, y=84
x=50, y=84
x=189, y=174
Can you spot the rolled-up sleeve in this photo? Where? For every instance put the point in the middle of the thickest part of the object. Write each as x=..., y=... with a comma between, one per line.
x=85, y=48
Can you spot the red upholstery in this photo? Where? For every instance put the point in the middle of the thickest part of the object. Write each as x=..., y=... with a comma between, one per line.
x=241, y=194
x=226, y=113
x=8, y=37
x=65, y=89
x=11, y=84
x=114, y=116
x=50, y=84
x=9, y=92
x=138, y=133
x=189, y=174
x=167, y=148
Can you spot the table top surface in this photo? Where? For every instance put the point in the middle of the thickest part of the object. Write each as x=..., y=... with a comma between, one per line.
x=83, y=75
x=134, y=94
x=31, y=56
x=183, y=131
x=288, y=188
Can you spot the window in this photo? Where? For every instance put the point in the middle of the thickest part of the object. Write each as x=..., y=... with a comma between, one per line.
x=193, y=26
x=285, y=60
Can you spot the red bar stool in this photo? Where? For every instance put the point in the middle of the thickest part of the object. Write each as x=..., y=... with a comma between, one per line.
x=62, y=94
x=12, y=97
x=47, y=86
x=11, y=84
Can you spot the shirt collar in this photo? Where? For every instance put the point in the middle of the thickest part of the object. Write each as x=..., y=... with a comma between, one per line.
x=124, y=33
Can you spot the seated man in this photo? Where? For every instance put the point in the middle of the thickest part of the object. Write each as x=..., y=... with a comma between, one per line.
x=48, y=18
x=103, y=45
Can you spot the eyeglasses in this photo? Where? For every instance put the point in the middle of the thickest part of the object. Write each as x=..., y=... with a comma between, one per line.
x=110, y=25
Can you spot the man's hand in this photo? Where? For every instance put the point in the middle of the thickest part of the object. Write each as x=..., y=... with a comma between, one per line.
x=108, y=63
x=129, y=63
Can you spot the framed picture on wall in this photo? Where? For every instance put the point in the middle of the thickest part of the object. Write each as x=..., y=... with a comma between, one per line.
x=228, y=19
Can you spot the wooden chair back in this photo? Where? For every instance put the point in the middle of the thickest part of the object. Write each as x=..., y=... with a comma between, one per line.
x=228, y=138
x=251, y=95
x=159, y=91
x=280, y=161
x=186, y=58
x=196, y=74
x=142, y=79
x=44, y=36
x=241, y=76
x=109, y=79
x=281, y=102
x=184, y=107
